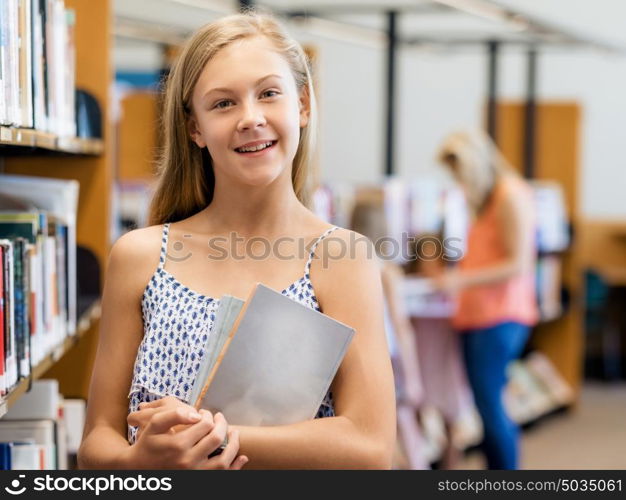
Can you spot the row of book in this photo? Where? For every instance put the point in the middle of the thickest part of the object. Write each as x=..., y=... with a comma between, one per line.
x=38, y=272
x=427, y=205
x=42, y=431
x=37, y=66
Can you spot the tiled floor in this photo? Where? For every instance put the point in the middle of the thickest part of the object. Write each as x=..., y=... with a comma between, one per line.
x=590, y=436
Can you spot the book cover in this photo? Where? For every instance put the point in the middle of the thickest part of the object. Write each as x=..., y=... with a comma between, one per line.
x=277, y=362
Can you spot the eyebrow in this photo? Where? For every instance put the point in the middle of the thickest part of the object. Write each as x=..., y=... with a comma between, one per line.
x=257, y=83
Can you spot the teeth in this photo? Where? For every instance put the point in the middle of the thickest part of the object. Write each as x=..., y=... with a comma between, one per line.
x=258, y=147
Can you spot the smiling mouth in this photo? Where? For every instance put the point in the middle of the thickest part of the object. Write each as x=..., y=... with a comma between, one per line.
x=256, y=149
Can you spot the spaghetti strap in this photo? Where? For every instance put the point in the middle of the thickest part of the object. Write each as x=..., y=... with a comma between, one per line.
x=307, y=268
x=166, y=230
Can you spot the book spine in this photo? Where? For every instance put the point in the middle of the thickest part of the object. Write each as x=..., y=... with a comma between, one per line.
x=2, y=327
x=224, y=349
x=4, y=64
x=9, y=316
x=18, y=293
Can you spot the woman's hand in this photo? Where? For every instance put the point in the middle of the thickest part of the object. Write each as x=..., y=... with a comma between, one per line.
x=449, y=281
x=174, y=435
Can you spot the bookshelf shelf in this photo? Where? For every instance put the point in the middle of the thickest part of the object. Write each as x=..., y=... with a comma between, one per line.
x=88, y=318
x=12, y=138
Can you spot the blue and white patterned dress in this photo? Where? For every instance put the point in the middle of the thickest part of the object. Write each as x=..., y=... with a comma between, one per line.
x=177, y=322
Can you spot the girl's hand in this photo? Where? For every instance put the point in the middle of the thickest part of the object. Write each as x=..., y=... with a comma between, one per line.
x=147, y=410
x=160, y=445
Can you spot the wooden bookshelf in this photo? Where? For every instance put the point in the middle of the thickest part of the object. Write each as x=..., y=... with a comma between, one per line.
x=557, y=159
x=87, y=161
x=84, y=324
x=16, y=139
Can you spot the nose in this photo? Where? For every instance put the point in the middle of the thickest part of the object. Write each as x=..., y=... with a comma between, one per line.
x=251, y=117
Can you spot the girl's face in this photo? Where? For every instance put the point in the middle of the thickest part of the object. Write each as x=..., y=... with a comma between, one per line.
x=247, y=111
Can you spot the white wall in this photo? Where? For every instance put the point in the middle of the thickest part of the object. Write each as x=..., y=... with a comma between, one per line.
x=350, y=94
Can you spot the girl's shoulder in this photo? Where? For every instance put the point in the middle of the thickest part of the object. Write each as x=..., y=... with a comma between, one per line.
x=138, y=244
x=346, y=262
x=135, y=255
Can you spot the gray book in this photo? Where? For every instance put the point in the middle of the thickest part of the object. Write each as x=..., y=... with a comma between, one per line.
x=270, y=360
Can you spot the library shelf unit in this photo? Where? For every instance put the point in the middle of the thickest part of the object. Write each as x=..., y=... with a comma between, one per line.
x=89, y=161
x=15, y=140
x=557, y=159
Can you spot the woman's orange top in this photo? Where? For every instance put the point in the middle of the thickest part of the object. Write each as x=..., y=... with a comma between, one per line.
x=483, y=306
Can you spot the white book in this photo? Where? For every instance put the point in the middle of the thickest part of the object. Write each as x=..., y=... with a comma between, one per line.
x=74, y=414
x=14, y=60
x=26, y=64
x=5, y=118
x=40, y=403
x=26, y=456
x=276, y=364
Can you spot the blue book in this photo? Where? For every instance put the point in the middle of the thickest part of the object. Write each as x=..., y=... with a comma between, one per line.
x=5, y=456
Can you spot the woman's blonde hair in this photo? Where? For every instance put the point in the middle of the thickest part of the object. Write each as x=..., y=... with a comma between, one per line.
x=477, y=163
x=186, y=178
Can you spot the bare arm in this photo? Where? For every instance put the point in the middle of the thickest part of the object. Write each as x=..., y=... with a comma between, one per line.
x=517, y=227
x=362, y=434
x=104, y=439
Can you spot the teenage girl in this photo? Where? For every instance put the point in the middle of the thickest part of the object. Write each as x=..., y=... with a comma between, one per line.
x=239, y=129
x=495, y=281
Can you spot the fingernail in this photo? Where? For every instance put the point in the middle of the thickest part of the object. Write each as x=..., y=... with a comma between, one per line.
x=194, y=416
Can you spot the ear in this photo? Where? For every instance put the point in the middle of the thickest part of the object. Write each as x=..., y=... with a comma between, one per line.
x=194, y=132
x=305, y=106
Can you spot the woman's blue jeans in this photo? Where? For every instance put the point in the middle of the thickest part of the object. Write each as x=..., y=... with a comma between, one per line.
x=487, y=352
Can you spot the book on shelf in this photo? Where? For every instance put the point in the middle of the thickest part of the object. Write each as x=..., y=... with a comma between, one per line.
x=269, y=360
x=9, y=337
x=33, y=443
x=57, y=199
x=423, y=300
x=37, y=66
x=552, y=223
x=34, y=429
x=39, y=284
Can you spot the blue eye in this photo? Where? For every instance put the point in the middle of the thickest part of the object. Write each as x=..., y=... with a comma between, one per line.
x=269, y=93
x=222, y=104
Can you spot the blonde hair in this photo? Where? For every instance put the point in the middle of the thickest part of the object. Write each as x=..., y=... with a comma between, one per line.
x=186, y=178
x=477, y=161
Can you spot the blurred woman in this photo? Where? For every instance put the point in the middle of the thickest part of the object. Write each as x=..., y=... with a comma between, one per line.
x=494, y=281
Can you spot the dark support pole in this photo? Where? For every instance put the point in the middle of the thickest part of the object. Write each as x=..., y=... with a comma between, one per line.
x=530, y=122
x=245, y=4
x=492, y=98
x=391, y=91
